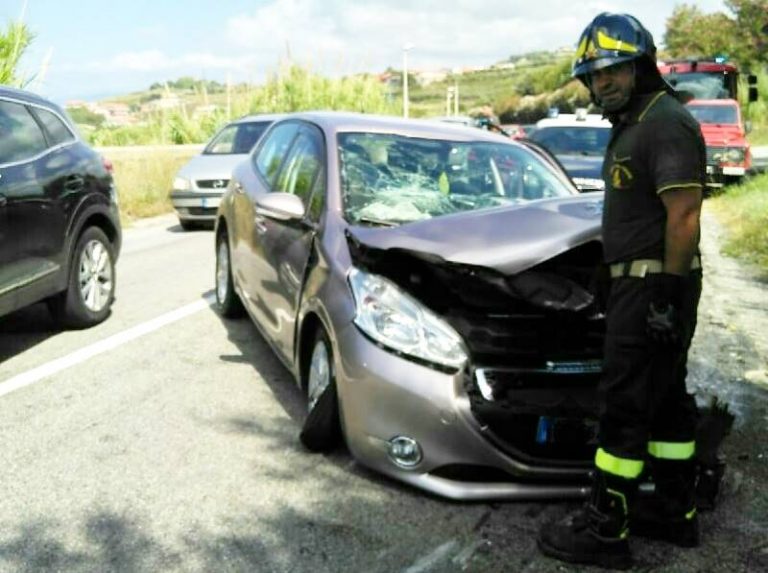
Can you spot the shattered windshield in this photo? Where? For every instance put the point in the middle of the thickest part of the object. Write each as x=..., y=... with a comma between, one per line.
x=392, y=179
x=701, y=85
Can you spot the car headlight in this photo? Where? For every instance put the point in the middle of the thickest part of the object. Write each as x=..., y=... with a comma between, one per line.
x=182, y=184
x=729, y=155
x=399, y=322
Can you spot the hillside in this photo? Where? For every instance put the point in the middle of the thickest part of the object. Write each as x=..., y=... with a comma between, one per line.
x=188, y=110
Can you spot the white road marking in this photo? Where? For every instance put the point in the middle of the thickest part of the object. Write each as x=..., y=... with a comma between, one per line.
x=50, y=368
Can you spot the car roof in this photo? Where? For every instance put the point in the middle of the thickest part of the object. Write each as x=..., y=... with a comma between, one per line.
x=28, y=97
x=345, y=122
x=259, y=117
x=574, y=120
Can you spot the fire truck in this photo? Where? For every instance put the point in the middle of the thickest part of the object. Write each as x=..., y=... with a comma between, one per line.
x=710, y=89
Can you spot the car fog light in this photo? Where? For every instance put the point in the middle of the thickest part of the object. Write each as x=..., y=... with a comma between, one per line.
x=404, y=451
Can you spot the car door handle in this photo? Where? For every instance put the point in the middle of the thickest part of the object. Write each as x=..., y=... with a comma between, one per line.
x=3, y=200
x=74, y=183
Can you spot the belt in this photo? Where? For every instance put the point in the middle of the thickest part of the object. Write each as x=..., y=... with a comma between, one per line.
x=642, y=267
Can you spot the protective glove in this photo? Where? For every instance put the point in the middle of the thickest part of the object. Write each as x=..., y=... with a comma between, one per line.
x=663, y=319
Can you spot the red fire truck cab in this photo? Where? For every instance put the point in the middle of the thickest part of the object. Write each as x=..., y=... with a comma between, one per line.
x=728, y=153
x=710, y=88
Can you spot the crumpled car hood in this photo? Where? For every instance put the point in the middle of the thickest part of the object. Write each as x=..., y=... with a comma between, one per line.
x=507, y=239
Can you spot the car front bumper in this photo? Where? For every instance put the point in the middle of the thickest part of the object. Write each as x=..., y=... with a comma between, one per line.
x=383, y=395
x=196, y=205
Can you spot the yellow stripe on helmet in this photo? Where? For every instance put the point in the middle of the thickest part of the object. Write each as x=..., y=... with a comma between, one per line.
x=582, y=49
x=605, y=42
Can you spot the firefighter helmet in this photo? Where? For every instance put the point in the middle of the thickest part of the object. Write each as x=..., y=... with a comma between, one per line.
x=612, y=39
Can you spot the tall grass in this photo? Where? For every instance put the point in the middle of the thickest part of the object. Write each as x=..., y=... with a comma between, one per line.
x=744, y=211
x=291, y=88
x=14, y=40
x=143, y=179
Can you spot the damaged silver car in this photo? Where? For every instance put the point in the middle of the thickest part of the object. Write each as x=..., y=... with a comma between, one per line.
x=432, y=290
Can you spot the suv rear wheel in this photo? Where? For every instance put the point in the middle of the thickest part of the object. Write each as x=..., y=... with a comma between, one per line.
x=91, y=287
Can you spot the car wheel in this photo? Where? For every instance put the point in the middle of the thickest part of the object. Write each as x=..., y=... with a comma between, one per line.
x=91, y=287
x=321, y=431
x=227, y=299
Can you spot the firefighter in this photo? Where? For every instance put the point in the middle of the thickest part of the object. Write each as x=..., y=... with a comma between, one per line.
x=654, y=172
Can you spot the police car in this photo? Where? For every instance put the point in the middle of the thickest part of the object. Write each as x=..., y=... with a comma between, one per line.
x=579, y=142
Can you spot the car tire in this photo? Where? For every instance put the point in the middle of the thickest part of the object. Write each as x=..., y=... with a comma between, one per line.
x=91, y=284
x=321, y=431
x=227, y=300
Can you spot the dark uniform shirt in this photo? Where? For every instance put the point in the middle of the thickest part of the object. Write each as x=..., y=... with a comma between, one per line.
x=657, y=146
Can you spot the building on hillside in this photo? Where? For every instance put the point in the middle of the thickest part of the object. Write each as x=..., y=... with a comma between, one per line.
x=168, y=101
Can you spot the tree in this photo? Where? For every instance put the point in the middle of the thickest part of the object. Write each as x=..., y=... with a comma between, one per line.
x=14, y=40
x=743, y=35
x=751, y=30
x=692, y=33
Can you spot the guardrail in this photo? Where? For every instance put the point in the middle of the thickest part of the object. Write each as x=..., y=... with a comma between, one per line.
x=760, y=159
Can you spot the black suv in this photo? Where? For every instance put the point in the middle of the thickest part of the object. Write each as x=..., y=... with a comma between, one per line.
x=59, y=222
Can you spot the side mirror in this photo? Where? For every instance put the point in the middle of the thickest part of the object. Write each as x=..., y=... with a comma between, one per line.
x=747, y=126
x=280, y=206
x=752, y=94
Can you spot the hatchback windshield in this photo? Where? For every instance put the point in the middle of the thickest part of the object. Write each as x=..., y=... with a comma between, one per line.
x=236, y=138
x=573, y=140
x=714, y=113
x=390, y=179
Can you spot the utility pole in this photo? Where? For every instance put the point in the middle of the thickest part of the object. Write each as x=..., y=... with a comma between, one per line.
x=406, y=49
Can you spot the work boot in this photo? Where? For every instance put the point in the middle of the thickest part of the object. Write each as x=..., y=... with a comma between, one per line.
x=669, y=514
x=596, y=534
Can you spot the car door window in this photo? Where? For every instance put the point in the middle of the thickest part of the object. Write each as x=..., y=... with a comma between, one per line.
x=58, y=132
x=270, y=155
x=301, y=167
x=20, y=136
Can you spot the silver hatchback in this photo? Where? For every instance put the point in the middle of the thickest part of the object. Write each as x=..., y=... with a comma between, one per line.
x=432, y=290
x=199, y=185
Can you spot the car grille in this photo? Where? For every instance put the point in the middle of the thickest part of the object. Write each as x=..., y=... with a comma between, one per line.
x=212, y=183
x=200, y=211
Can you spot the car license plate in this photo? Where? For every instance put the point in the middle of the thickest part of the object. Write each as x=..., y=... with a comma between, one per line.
x=205, y=202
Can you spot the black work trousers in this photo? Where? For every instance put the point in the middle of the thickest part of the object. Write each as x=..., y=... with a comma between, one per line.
x=642, y=393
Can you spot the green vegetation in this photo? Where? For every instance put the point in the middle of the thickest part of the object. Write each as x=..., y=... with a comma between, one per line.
x=743, y=209
x=293, y=88
x=143, y=179
x=14, y=40
x=738, y=35
x=757, y=112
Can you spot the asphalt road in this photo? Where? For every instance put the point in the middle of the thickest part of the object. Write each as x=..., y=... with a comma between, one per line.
x=165, y=439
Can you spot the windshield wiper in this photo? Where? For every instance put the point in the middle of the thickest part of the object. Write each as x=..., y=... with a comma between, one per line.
x=378, y=222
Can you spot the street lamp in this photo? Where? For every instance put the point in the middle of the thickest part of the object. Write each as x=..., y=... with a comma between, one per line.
x=406, y=49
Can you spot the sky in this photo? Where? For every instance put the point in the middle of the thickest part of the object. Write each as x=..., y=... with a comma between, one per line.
x=101, y=49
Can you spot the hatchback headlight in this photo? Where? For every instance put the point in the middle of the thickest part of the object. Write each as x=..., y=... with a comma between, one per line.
x=182, y=184
x=399, y=322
